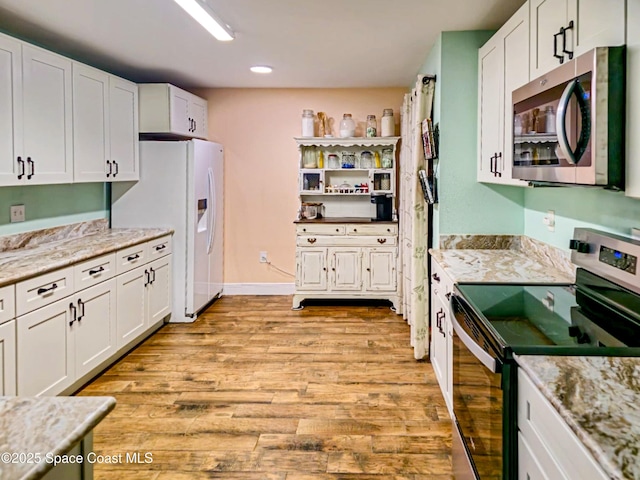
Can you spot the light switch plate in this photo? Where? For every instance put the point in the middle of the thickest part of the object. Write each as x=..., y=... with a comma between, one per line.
x=17, y=213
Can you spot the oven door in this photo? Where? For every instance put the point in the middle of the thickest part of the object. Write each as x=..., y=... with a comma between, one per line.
x=481, y=427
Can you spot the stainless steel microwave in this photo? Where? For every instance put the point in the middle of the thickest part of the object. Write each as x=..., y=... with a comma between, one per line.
x=569, y=124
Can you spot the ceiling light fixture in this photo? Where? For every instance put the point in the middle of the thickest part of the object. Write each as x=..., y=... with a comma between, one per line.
x=201, y=12
x=261, y=69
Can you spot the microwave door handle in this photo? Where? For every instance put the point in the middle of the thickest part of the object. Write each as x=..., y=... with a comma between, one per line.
x=561, y=124
x=486, y=359
x=585, y=130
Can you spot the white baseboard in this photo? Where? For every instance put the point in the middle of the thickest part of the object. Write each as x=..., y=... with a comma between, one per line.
x=258, y=289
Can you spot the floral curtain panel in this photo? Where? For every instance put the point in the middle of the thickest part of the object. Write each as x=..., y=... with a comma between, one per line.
x=414, y=223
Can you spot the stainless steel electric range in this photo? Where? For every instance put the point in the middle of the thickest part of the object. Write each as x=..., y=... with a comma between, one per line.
x=598, y=315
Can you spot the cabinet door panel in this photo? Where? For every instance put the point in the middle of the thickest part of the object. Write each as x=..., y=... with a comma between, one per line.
x=131, y=305
x=547, y=17
x=8, y=358
x=381, y=269
x=47, y=104
x=159, y=290
x=179, y=110
x=312, y=265
x=11, y=111
x=598, y=23
x=90, y=123
x=44, y=360
x=490, y=93
x=346, y=269
x=95, y=330
x=439, y=354
x=124, y=146
x=198, y=112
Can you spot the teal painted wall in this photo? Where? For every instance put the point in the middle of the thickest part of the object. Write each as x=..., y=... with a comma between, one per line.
x=52, y=205
x=466, y=206
x=578, y=207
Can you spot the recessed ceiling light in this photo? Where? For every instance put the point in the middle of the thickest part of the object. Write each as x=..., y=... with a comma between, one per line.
x=202, y=13
x=261, y=69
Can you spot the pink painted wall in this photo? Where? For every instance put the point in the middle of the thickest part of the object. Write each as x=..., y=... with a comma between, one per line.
x=256, y=127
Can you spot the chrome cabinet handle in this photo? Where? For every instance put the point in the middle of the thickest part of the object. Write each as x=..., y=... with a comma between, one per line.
x=311, y=240
x=45, y=290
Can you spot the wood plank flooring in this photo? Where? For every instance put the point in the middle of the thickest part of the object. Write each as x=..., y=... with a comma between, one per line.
x=254, y=390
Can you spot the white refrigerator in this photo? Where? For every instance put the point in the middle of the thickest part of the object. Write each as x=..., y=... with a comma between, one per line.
x=180, y=187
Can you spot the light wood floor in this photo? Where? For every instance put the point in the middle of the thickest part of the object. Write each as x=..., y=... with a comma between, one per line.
x=254, y=390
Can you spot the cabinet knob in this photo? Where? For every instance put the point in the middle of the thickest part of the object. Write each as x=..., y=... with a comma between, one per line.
x=333, y=269
x=304, y=229
x=324, y=268
x=368, y=269
x=338, y=230
x=355, y=229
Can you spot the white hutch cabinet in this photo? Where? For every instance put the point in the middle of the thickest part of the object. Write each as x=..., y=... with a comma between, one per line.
x=346, y=254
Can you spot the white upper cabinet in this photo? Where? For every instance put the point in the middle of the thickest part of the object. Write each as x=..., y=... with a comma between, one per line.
x=47, y=134
x=123, y=129
x=632, y=173
x=105, y=126
x=502, y=67
x=90, y=124
x=11, y=111
x=168, y=110
x=563, y=29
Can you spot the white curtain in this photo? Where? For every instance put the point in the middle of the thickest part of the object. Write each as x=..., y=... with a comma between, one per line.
x=413, y=216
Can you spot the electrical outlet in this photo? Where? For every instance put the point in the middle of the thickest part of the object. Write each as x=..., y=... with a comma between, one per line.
x=263, y=257
x=550, y=220
x=17, y=213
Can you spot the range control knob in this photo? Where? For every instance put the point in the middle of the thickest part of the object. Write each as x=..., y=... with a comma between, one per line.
x=579, y=246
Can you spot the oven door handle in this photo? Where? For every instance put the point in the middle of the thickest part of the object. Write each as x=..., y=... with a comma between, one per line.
x=477, y=351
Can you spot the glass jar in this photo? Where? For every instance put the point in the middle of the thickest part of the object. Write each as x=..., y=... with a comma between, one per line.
x=307, y=123
x=372, y=126
x=309, y=159
x=366, y=160
x=348, y=160
x=332, y=161
x=387, y=124
x=347, y=126
x=550, y=119
x=387, y=158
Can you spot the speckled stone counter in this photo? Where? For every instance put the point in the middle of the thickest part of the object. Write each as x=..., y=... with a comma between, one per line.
x=502, y=259
x=599, y=398
x=45, y=425
x=27, y=259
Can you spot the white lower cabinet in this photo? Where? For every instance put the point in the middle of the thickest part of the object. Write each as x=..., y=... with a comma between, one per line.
x=8, y=358
x=94, y=329
x=57, y=343
x=347, y=261
x=552, y=451
x=441, y=339
x=45, y=359
x=144, y=299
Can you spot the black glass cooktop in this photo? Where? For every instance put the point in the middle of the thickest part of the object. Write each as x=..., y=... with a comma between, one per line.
x=593, y=316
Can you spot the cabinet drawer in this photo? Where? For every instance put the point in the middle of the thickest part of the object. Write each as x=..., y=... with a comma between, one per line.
x=326, y=241
x=371, y=229
x=132, y=257
x=94, y=271
x=318, y=229
x=549, y=437
x=441, y=284
x=159, y=247
x=43, y=290
x=7, y=303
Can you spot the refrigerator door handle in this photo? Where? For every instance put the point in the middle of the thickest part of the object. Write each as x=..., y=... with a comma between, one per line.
x=212, y=209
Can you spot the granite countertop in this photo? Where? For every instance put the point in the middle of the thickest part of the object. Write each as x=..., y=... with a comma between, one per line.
x=21, y=263
x=345, y=220
x=599, y=398
x=46, y=425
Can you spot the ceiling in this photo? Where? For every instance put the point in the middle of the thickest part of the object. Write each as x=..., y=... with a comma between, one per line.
x=310, y=44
